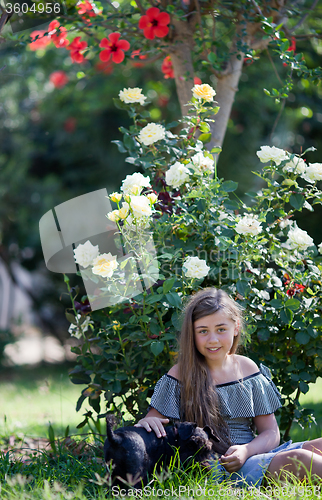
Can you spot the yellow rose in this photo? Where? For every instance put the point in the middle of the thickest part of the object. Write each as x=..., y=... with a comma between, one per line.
x=204, y=91
x=104, y=265
x=114, y=215
x=116, y=197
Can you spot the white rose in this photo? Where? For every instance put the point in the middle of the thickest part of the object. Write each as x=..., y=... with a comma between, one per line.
x=151, y=133
x=78, y=330
x=297, y=165
x=85, y=253
x=131, y=182
x=114, y=215
x=130, y=96
x=320, y=248
x=177, y=175
x=194, y=267
x=104, y=265
x=313, y=173
x=140, y=206
x=284, y=223
x=299, y=239
x=248, y=225
x=268, y=153
x=202, y=162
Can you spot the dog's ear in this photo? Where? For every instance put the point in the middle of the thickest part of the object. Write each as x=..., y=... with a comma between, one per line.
x=210, y=434
x=186, y=429
x=112, y=437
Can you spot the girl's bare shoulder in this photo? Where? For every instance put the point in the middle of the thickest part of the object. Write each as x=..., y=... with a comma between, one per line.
x=247, y=365
x=174, y=371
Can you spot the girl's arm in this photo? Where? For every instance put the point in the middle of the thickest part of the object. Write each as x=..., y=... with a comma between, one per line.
x=268, y=438
x=153, y=421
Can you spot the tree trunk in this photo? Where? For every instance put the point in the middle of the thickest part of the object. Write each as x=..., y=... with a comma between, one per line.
x=226, y=89
x=180, y=50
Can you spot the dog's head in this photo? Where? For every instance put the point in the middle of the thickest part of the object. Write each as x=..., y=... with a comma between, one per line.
x=195, y=442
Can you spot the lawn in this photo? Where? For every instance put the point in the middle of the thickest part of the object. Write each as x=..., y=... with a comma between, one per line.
x=34, y=397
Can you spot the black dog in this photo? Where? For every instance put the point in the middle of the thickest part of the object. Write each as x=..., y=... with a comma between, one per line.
x=134, y=451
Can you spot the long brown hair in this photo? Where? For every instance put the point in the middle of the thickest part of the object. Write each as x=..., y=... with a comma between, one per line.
x=199, y=400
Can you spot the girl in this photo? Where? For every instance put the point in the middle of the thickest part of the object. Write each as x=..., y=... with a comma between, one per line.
x=212, y=385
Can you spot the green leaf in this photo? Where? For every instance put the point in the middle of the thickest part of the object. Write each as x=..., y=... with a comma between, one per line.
x=173, y=299
x=204, y=127
x=276, y=303
x=216, y=150
x=316, y=323
x=80, y=401
x=157, y=348
x=263, y=334
x=286, y=316
x=71, y=318
x=229, y=186
x=302, y=338
x=231, y=205
x=304, y=387
x=292, y=304
x=204, y=138
x=242, y=287
x=168, y=284
x=120, y=146
x=51, y=436
x=152, y=299
x=297, y=201
x=313, y=333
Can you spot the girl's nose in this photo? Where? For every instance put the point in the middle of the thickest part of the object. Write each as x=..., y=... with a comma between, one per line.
x=214, y=337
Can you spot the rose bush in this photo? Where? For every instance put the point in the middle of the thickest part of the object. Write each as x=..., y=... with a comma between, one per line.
x=203, y=236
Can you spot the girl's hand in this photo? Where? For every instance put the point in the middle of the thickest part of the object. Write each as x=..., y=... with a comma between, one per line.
x=234, y=458
x=153, y=423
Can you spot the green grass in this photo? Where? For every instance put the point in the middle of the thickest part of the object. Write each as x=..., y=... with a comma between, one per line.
x=31, y=398
x=312, y=400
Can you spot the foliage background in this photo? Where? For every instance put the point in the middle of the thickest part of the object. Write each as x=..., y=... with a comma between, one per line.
x=55, y=143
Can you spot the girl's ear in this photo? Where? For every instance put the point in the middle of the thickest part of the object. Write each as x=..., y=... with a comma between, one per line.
x=237, y=326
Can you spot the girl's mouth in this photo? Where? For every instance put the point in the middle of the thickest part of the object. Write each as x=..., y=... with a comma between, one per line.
x=213, y=349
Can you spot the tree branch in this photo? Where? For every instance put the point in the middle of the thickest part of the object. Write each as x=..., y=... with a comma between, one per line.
x=273, y=66
x=301, y=21
x=4, y=19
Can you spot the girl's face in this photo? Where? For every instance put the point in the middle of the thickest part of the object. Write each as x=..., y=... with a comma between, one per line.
x=214, y=336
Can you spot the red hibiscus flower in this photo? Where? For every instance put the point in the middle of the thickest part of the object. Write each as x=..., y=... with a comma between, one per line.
x=154, y=23
x=113, y=47
x=76, y=48
x=291, y=48
x=293, y=45
x=85, y=7
x=136, y=53
x=105, y=67
x=167, y=68
x=58, y=34
x=41, y=42
x=70, y=124
x=58, y=78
